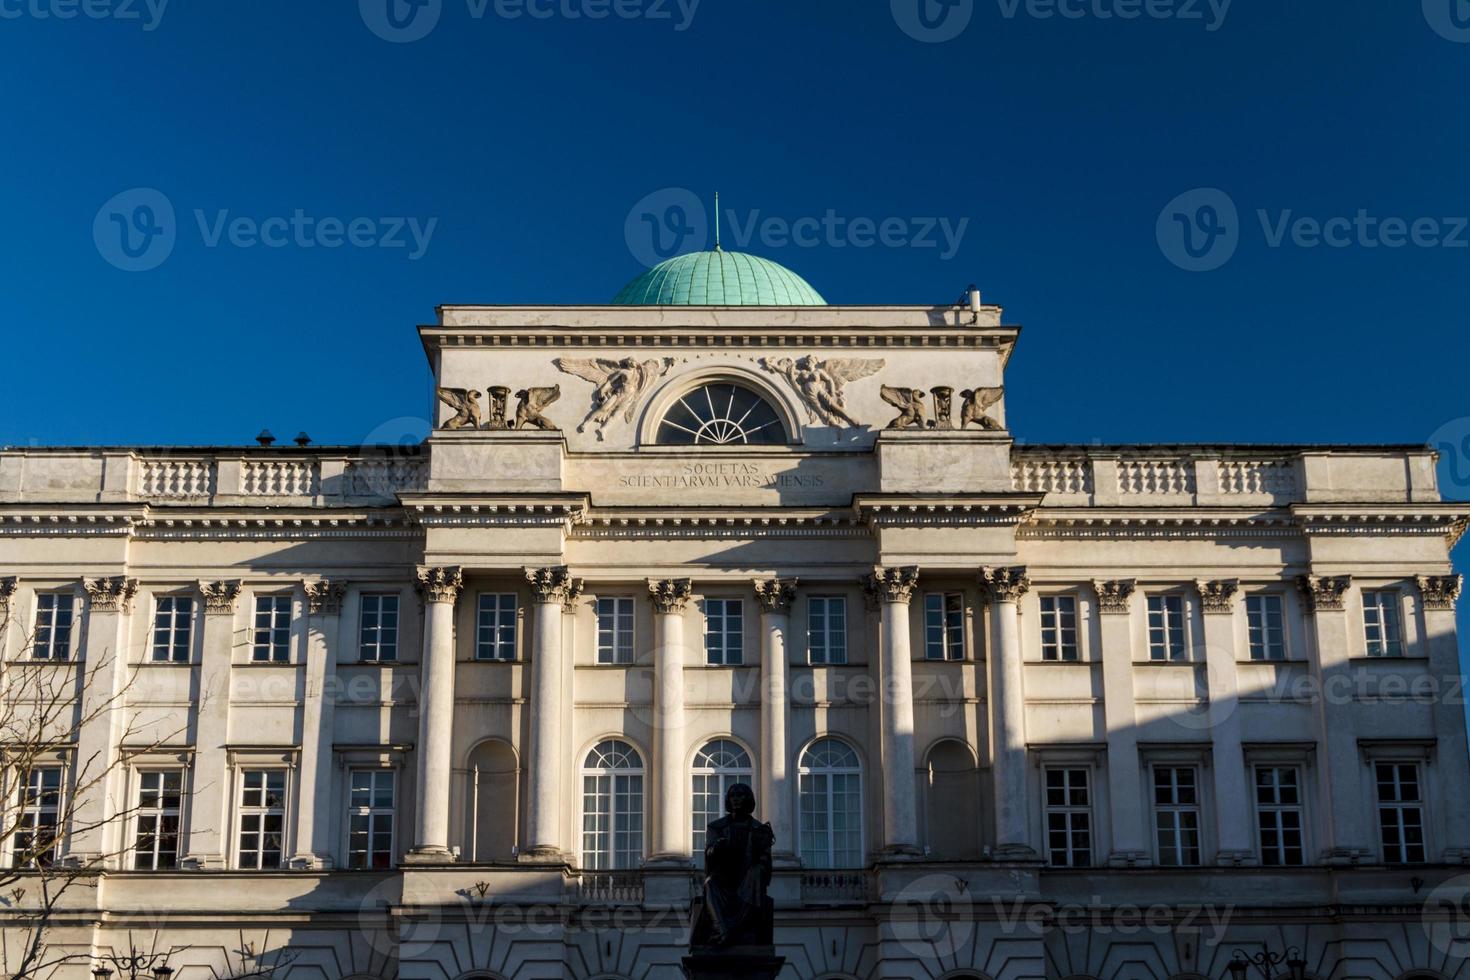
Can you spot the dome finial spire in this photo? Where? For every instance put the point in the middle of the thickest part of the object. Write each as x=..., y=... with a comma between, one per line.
x=717, y=222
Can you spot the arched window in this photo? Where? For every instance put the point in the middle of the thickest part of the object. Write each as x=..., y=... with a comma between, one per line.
x=717, y=767
x=721, y=414
x=612, y=807
x=952, y=802
x=491, y=804
x=831, y=791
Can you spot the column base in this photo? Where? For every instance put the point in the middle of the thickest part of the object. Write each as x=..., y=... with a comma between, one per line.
x=785, y=859
x=85, y=861
x=669, y=861
x=311, y=862
x=1014, y=852
x=1457, y=855
x=1130, y=859
x=202, y=862
x=901, y=852
x=1341, y=857
x=429, y=854
x=1236, y=859
x=545, y=854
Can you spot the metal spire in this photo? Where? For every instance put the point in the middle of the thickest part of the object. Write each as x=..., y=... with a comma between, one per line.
x=717, y=221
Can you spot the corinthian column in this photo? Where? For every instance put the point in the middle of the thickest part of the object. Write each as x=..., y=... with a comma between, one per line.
x=1006, y=586
x=1437, y=596
x=670, y=598
x=439, y=588
x=894, y=588
x=314, y=824
x=210, y=785
x=94, y=837
x=551, y=590
x=775, y=597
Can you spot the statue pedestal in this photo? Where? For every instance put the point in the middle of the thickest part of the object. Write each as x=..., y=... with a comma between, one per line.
x=733, y=963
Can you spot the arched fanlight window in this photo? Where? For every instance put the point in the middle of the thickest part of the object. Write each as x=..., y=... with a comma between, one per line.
x=612, y=807
x=831, y=791
x=718, y=766
x=721, y=414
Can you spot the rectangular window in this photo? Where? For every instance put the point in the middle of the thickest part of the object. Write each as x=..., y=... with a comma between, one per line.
x=1381, y=624
x=724, y=632
x=156, y=839
x=495, y=627
x=262, y=818
x=53, y=626
x=944, y=626
x=370, y=819
x=272, y=629
x=1068, y=818
x=826, y=629
x=173, y=619
x=38, y=822
x=1058, y=627
x=1176, y=815
x=1265, y=627
x=1400, y=812
x=1166, y=627
x=1279, y=815
x=378, y=628
x=614, y=631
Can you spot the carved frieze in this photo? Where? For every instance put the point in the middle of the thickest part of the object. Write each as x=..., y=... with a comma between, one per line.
x=439, y=584
x=530, y=402
x=894, y=584
x=620, y=385
x=1440, y=591
x=111, y=594
x=1324, y=592
x=324, y=598
x=1005, y=583
x=775, y=594
x=220, y=597
x=670, y=595
x=1113, y=594
x=553, y=584
x=819, y=383
x=1218, y=596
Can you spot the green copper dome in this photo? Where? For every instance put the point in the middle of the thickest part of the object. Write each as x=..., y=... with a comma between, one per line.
x=718, y=278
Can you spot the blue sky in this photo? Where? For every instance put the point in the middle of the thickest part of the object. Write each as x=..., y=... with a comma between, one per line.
x=1069, y=149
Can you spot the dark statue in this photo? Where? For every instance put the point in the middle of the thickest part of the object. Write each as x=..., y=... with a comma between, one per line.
x=735, y=910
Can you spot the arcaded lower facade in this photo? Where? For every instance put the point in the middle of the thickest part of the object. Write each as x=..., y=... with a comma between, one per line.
x=462, y=709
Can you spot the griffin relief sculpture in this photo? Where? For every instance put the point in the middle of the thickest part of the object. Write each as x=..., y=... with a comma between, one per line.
x=910, y=405
x=531, y=402
x=977, y=400
x=466, y=405
x=819, y=383
x=620, y=385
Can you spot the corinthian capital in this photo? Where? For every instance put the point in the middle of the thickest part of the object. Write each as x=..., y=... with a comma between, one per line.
x=439, y=584
x=111, y=594
x=219, y=597
x=1324, y=592
x=8, y=585
x=553, y=584
x=1217, y=596
x=324, y=597
x=670, y=595
x=1440, y=591
x=1005, y=584
x=775, y=594
x=895, y=584
x=1113, y=594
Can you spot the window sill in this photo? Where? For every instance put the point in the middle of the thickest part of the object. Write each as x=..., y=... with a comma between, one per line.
x=1364, y=658
x=1274, y=663
x=492, y=663
x=377, y=663
x=165, y=663
x=1062, y=663
x=267, y=663
x=724, y=666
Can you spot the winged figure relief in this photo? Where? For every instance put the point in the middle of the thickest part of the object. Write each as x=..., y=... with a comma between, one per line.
x=620, y=385
x=531, y=402
x=820, y=383
x=910, y=405
x=466, y=405
x=977, y=400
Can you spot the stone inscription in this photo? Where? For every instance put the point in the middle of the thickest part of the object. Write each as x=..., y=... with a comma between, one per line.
x=722, y=476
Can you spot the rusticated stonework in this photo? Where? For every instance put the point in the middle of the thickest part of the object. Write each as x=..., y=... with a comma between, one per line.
x=1324, y=592
x=553, y=584
x=1005, y=584
x=894, y=584
x=1440, y=591
x=1218, y=596
x=324, y=598
x=670, y=595
x=111, y=594
x=439, y=584
x=775, y=594
x=1113, y=594
x=220, y=597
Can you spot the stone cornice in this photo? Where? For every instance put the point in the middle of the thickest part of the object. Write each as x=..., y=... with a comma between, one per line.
x=54, y=523
x=721, y=523
x=111, y=594
x=775, y=595
x=893, y=584
x=220, y=597
x=1447, y=519
x=439, y=584
x=551, y=510
x=1093, y=523
x=553, y=585
x=324, y=598
x=948, y=511
x=1440, y=591
x=1218, y=596
x=1113, y=594
x=294, y=525
x=1005, y=584
x=1323, y=593
x=670, y=595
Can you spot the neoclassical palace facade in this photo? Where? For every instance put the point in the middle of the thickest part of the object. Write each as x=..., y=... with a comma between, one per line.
x=462, y=709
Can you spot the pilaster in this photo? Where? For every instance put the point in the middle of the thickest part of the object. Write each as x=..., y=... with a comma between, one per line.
x=314, y=824
x=210, y=785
